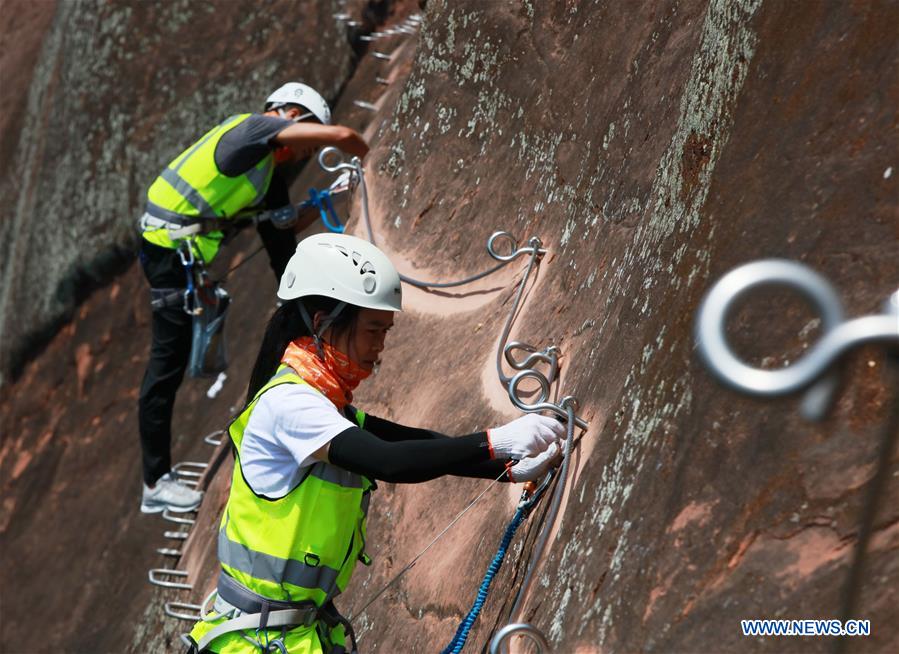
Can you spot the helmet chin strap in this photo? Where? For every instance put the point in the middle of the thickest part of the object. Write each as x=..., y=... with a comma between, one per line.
x=283, y=113
x=316, y=335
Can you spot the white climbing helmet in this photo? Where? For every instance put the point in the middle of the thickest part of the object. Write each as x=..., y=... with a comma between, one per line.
x=303, y=95
x=345, y=268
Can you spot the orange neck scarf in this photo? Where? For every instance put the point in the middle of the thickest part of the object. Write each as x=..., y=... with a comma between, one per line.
x=336, y=377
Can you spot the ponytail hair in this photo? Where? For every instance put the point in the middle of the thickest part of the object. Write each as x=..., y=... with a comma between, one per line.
x=287, y=325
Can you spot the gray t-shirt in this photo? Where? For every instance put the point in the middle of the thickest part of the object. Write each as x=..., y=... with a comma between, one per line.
x=244, y=146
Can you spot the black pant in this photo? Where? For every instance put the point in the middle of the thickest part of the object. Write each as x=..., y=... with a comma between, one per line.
x=169, y=355
x=170, y=349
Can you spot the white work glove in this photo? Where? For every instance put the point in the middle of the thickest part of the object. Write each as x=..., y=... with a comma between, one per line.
x=526, y=436
x=535, y=467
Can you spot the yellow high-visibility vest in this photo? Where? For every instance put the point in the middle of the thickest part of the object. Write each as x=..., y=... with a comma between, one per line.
x=303, y=546
x=193, y=187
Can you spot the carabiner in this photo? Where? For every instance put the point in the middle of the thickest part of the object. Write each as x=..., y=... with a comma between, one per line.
x=530, y=498
x=321, y=200
x=191, y=304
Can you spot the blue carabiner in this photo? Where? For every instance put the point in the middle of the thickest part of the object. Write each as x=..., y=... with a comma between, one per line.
x=321, y=200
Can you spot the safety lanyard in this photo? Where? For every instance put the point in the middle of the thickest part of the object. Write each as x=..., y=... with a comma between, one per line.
x=321, y=200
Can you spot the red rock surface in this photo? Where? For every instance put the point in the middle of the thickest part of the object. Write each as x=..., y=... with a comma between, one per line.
x=652, y=147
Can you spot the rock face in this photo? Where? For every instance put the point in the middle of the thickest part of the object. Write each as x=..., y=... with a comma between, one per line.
x=651, y=147
x=115, y=93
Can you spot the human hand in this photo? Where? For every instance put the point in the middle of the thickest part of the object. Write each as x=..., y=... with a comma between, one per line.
x=524, y=437
x=534, y=467
x=353, y=144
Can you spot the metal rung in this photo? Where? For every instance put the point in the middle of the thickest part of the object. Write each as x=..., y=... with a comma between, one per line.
x=210, y=439
x=365, y=105
x=171, y=609
x=179, y=467
x=168, y=572
x=171, y=517
x=381, y=55
x=168, y=551
x=176, y=535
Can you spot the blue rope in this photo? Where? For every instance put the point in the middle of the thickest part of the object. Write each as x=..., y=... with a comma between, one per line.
x=458, y=641
x=321, y=200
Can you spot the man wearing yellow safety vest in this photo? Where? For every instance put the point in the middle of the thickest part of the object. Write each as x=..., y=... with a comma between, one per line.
x=306, y=460
x=231, y=172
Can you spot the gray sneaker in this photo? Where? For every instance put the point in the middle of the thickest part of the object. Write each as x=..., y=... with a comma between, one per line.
x=169, y=493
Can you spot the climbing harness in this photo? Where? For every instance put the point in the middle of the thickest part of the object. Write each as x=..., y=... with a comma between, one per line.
x=812, y=372
x=247, y=610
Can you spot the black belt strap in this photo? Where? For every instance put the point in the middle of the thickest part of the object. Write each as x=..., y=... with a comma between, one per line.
x=179, y=219
x=209, y=223
x=162, y=298
x=241, y=597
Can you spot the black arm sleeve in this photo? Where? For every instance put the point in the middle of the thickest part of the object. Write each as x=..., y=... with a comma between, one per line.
x=410, y=461
x=395, y=433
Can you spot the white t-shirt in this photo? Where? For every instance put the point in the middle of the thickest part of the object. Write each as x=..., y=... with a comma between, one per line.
x=288, y=424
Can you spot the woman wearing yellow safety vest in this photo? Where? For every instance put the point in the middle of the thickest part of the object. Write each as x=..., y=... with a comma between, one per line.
x=306, y=460
x=231, y=171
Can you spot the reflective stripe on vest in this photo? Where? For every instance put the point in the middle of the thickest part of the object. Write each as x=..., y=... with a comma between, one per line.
x=303, y=546
x=193, y=187
x=273, y=568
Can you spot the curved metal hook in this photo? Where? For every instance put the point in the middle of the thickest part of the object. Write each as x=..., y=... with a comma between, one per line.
x=339, y=162
x=541, y=404
x=549, y=356
x=838, y=337
x=498, y=642
x=534, y=245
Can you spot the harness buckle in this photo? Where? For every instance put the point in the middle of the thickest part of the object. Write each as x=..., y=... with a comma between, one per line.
x=183, y=231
